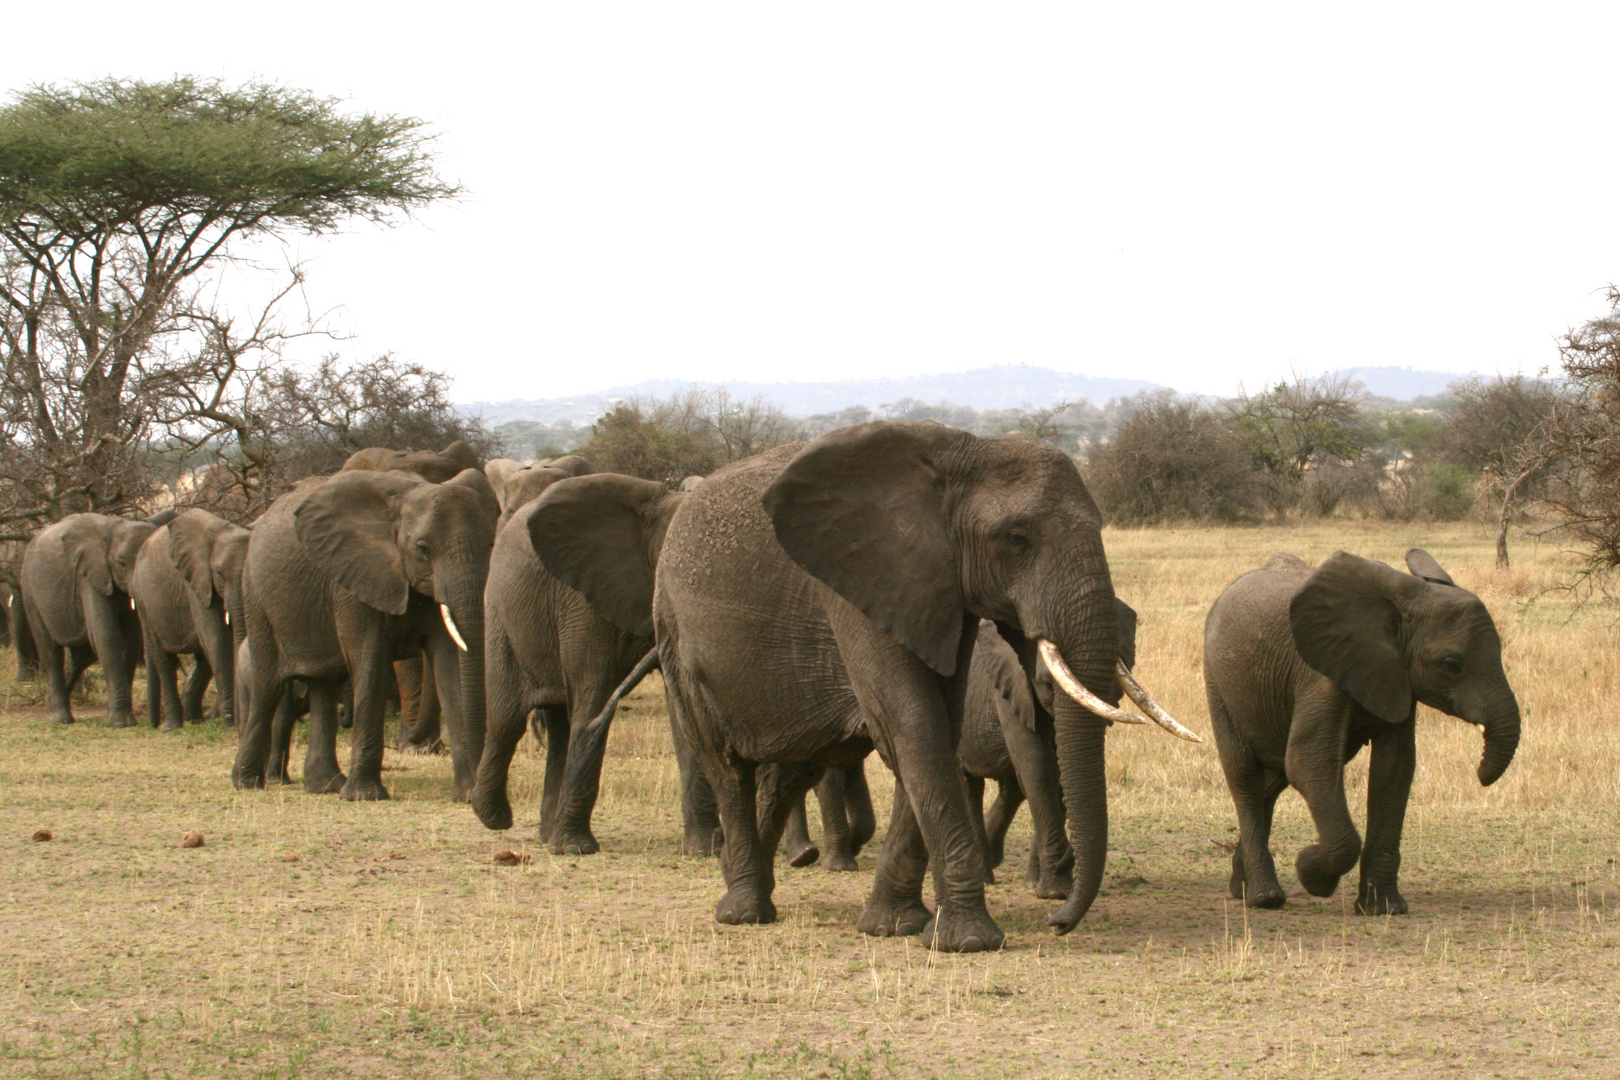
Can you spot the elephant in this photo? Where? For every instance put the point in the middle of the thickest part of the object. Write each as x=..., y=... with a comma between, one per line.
x=76, y=578
x=346, y=575
x=438, y=466
x=847, y=821
x=1304, y=667
x=187, y=588
x=821, y=599
x=17, y=633
x=548, y=649
x=524, y=485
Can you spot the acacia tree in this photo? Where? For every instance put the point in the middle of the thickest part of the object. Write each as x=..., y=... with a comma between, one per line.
x=1298, y=425
x=117, y=198
x=1495, y=430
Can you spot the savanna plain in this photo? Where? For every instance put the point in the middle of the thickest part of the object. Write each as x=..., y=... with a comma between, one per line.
x=309, y=937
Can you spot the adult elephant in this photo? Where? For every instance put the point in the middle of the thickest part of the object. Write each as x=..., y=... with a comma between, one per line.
x=75, y=579
x=527, y=484
x=345, y=576
x=549, y=650
x=1306, y=666
x=187, y=588
x=820, y=599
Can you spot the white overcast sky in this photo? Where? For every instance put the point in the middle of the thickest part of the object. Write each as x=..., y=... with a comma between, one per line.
x=1194, y=194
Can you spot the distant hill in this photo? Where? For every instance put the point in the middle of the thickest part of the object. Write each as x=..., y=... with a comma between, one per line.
x=1005, y=387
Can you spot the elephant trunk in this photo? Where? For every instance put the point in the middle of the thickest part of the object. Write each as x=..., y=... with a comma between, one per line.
x=1501, y=738
x=462, y=610
x=1090, y=655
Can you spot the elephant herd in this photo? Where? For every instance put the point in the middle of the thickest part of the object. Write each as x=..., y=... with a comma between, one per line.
x=940, y=598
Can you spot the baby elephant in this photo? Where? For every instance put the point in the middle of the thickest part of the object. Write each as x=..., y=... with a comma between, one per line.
x=1304, y=667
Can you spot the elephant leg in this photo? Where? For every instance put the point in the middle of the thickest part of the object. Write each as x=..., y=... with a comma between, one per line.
x=424, y=736
x=22, y=639
x=371, y=667
x=782, y=789
x=505, y=713
x=858, y=808
x=1315, y=766
x=408, y=677
x=837, y=833
x=154, y=687
x=999, y=819
x=582, y=779
x=58, y=691
x=345, y=701
x=321, y=772
x=974, y=787
x=263, y=697
x=466, y=746
x=1389, y=782
x=1034, y=760
x=553, y=722
x=796, y=842
x=744, y=860
x=281, y=733
x=202, y=673
x=895, y=908
x=79, y=660
x=166, y=699
x=700, y=816
x=113, y=650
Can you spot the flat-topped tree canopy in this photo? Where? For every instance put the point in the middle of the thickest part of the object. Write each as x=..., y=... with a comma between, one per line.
x=115, y=153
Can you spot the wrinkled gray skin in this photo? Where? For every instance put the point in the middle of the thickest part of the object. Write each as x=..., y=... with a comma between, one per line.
x=76, y=577
x=346, y=575
x=548, y=650
x=847, y=822
x=187, y=587
x=437, y=466
x=1305, y=667
x=820, y=599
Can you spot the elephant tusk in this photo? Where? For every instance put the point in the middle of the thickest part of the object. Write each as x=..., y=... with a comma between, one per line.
x=1145, y=702
x=1076, y=689
x=227, y=617
x=450, y=625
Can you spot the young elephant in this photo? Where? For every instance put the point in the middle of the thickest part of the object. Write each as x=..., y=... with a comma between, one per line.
x=187, y=587
x=1304, y=667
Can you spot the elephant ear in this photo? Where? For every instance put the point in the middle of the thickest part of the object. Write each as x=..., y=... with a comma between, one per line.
x=600, y=535
x=1346, y=621
x=84, y=540
x=477, y=481
x=863, y=510
x=347, y=528
x=1422, y=565
x=191, y=549
x=1125, y=619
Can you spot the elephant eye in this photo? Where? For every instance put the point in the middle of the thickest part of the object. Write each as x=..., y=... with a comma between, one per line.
x=1016, y=538
x=422, y=546
x=1451, y=666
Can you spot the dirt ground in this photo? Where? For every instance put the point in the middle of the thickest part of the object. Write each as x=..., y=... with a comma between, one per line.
x=309, y=937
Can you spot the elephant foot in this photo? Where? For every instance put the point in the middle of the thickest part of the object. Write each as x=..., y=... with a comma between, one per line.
x=1317, y=880
x=358, y=790
x=1380, y=900
x=62, y=718
x=1056, y=887
x=894, y=920
x=701, y=841
x=995, y=856
x=172, y=725
x=805, y=856
x=838, y=863
x=278, y=778
x=493, y=808
x=575, y=843
x=743, y=907
x=121, y=719
x=1262, y=895
x=966, y=931
x=247, y=781
x=324, y=781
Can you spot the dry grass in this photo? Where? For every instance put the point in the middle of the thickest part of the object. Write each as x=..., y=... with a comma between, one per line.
x=311, y=937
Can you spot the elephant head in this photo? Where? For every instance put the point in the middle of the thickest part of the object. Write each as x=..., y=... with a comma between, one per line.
x=601, y=534
x=917, y=525
x=524, y=486
x=1388, y=639
x=208, y=552
x=437, y=466
x=385, y=535
x=102, y=549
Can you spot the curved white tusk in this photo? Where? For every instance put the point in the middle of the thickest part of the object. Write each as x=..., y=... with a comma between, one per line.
x=1076, y=690
x=450, y=625
x=1145, y=702
x=227, y=616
